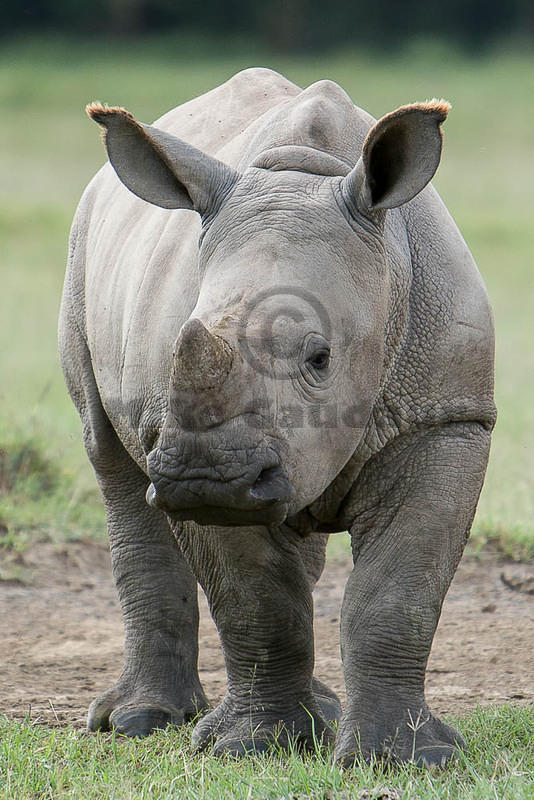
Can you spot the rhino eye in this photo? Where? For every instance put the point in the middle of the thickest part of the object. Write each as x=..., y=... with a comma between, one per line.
x=319, y=360
x=316, y=357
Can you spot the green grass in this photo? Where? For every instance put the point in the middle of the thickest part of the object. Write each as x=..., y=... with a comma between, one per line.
x=49, y=150
x=39, y=762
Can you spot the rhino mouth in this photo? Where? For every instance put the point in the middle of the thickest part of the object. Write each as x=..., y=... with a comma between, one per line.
x=260, y=494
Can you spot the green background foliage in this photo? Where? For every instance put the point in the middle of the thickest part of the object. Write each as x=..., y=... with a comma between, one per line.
x=286, y=24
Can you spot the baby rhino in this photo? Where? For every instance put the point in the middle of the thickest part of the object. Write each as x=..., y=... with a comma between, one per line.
x=273, y=330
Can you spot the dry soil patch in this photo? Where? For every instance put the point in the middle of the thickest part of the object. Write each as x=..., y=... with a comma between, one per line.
x=61, y=635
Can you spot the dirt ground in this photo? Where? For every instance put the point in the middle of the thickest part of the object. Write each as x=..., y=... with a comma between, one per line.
x=61, y=635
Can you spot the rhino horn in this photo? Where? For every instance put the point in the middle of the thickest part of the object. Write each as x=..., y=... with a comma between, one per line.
x=202, y=360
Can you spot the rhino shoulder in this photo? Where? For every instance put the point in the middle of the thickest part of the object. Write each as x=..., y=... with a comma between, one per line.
x=443, y=363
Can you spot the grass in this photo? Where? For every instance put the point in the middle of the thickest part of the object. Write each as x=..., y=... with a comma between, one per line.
x=37, y=762
x=48, y=152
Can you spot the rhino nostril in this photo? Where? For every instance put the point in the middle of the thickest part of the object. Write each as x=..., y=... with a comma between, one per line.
x=270, y=485
x=152, y=497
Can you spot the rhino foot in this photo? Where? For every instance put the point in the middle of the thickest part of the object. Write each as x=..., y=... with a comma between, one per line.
x=235, y=730
x=327, y=700
x=134, y=714
x=420, y=738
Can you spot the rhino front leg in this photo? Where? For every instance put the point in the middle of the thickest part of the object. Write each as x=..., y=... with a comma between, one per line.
x=260, y=598
x=159, y=683
x=407, y=541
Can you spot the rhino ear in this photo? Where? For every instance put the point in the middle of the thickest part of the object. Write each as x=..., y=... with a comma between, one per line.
x=399, y=157
x=159, y=167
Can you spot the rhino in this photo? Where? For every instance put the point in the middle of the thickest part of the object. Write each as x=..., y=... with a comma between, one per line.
x=273, y=331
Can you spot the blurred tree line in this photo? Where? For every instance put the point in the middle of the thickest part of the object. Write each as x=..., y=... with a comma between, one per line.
x=283, y=24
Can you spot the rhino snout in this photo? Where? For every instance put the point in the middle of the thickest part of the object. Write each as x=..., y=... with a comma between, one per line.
x=252, y=493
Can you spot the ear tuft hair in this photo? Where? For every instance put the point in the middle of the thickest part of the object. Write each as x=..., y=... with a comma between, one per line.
x=436, y=108
x=99, y=111
x=110, y=116
x=439, y=107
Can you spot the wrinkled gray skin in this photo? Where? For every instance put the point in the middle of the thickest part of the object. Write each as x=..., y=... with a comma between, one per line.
x=320, y=361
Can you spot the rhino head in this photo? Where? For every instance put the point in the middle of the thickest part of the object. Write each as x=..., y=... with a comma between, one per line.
x=276, y=371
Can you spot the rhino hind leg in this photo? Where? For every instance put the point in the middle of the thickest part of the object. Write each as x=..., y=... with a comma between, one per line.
x=421, y=496
x=260, y=598
x=313, y=553
x=327, y=700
